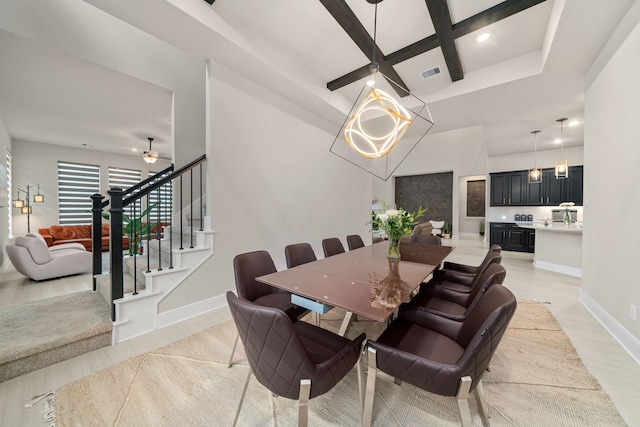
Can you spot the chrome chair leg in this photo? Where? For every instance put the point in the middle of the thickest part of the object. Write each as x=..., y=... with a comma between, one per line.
x=303, y=403
x=463, y=401
x=371, y=388
x=233, y=351
x=482, y=403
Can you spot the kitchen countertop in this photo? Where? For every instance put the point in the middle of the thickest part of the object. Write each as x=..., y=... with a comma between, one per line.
x=553, y=226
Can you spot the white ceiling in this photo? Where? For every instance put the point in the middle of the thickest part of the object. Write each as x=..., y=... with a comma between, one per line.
x=529, y=73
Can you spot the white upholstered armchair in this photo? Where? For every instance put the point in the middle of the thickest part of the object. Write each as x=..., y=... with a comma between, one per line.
x=31, y=257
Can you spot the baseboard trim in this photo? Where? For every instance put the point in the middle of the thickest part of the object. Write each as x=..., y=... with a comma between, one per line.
x=630, y=343
x=571, y=271
x=189, y=311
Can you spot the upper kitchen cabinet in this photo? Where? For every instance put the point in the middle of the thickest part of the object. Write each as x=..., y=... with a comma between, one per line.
x=508, y=188
x=575, y=186
x=513, y=188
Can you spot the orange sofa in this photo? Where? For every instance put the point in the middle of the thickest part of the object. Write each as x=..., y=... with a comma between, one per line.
x=59, y=234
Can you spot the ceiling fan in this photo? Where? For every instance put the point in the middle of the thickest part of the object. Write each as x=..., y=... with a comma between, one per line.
x=150, y=156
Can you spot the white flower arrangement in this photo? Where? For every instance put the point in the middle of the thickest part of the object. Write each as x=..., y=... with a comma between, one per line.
x=566, y=205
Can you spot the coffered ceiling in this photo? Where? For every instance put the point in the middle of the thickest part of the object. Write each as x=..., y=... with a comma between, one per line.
x=316, y=54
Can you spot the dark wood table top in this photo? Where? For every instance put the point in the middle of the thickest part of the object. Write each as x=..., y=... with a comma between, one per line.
x=363, y=281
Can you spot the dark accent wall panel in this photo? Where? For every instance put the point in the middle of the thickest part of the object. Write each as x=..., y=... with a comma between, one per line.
x=433, y=191
x=476, y=191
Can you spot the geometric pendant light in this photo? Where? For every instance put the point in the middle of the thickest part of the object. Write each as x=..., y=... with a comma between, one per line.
x=381, y=130
x=562, y=166
x=535, y=174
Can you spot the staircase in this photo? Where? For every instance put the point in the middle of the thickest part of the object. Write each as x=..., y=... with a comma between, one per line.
x=137, y=314
x=165, y=262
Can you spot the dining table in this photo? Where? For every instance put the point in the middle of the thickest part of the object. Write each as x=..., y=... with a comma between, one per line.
x=362, y=281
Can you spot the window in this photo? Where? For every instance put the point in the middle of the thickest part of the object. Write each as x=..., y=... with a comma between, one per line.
x=76, y=183
x=9, y=194
x=125, y=178
x=162, y=197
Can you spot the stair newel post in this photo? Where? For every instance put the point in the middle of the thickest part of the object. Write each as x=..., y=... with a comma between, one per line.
x=181, y=207
x=191, y=202
x=201, y=205
x=159, y=228
x=115, y=247
x=133, y=243
x=170, y=183
x=96, y=236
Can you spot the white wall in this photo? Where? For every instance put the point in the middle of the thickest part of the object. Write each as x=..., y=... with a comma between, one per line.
x=87, y=32
x=272, y=182
x=462, y=151
x=612, y=157
x=546, y=159
x=36, y=163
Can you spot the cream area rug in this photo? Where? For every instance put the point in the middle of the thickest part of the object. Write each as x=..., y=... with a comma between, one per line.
x=536, y=379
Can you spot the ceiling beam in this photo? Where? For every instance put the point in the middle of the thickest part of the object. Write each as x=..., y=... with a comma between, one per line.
x=441, y=18
x=494, y=14
x=343, y=14
x=473, y=23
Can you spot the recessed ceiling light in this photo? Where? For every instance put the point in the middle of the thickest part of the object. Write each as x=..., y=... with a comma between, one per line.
x=574, y=123
x=134, y=149
x=483, y=37
x=557, y=141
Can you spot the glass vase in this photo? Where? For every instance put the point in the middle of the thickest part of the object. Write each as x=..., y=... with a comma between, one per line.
x=567, y=217
x=394, y=248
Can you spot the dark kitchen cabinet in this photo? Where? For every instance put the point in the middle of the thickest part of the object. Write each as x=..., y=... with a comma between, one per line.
x=513, y=188
x=508, y=188
x=497, y=234
x=534, y=194
x=554, y=189
x=575, y=185
x=511, y=237
x=499, y=184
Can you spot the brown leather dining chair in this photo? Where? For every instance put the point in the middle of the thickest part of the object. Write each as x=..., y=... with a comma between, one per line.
x=439, y=355
x=332, y=246
x=457, y=305
x=354, y=241
x=299, y=253
x=293, y=360
x=426, y=240
x=461, y=281
x=464, y=269
x=246, y=268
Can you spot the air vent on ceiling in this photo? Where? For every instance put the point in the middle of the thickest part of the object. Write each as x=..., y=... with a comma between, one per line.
x=430, y=72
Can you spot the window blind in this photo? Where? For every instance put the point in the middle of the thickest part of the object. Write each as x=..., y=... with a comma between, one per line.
x=76, y=183
x=125, y=178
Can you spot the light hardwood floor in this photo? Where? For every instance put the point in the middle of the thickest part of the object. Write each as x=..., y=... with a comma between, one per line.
x=616, y=371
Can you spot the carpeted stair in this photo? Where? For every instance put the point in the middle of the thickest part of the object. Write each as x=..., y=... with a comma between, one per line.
x=40, y=333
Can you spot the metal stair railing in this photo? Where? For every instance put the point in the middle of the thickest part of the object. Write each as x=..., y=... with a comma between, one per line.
x=135, y=197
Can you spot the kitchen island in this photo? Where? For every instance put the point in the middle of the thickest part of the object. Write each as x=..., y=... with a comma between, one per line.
x=558, y=247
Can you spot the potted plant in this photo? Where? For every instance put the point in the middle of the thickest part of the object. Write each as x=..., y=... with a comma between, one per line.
x=446, y=230
x=135, y=229
x=482, y=228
